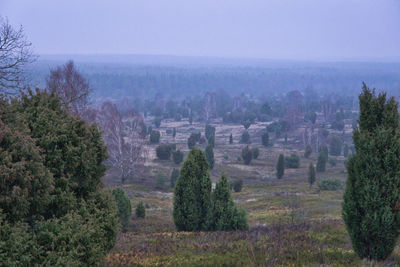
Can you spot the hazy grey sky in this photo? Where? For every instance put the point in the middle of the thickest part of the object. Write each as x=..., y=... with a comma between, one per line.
x=279, y=29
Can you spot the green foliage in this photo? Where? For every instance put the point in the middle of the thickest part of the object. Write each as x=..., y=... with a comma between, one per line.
x=123, y=206
x=223, y=215
x=52, y=211
x=346, y=150
x=332, y=161
x=293, y=161
x=157, y=122
x=209, y=131
x=174, y=132
x=192, y=193
x=256, y=152
x=311, y=174
x=140, y=211
x=247, y=155
x=160, y=181
x=265, y=139
x=324, y=150
x=174, y=177
x=210, y=156
x=177, y=156
x=245, y=139
x=163, y=151
x=321, y=162
x=308, y=151
x=237, y=185
x=211, y=141
x=335, y=146
x=192, y=140
x=280, y=166
x=155, y=137
x=371, y=200
x=330, y=184
x=231, y=139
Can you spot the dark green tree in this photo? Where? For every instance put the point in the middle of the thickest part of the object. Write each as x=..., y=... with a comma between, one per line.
x=192, y=193
x=311, y=174
x=245, y=139
x=210, y=156
x=308, y=151
x=256, y=152
x=163, y=151
x=177, y=156
x=237, y=185
x=345, y=150
x=174, y=177
x=140, y=211
x=265, y=139
x=209, y=131
x=231, y=139
x=280, y=166
x=174, y=132
x=192, y=140
x=123, y=206
x=293, y=161
x=371, y=199
x=211, y=141
x=321, y=162
x=335, y=146
x=157, y=122
x=247, y=155
x=223, y=215
x=155, y=137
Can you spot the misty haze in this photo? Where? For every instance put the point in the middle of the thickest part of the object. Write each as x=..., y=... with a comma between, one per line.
x=199, y=133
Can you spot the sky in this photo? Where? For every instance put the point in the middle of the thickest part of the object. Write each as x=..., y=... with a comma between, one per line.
x=268, y=29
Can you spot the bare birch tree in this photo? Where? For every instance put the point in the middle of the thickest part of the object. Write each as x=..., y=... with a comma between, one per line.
x=15, y=54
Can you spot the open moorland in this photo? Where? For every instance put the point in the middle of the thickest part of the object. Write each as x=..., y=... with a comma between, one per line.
x=291, y=223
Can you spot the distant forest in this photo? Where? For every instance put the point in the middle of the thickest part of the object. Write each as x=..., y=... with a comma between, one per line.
x=179, y=77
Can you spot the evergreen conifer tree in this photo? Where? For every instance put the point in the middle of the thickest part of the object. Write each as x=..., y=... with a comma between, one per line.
x=311, y=174
x=192, y=193
x=231, y=139
x=371, y=200
x=210, y=156
x=280, y=166
x=321, y=163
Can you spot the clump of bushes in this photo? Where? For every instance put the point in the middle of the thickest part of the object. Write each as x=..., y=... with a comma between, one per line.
x=237, y=185
x=293, y=161
x=330, y=184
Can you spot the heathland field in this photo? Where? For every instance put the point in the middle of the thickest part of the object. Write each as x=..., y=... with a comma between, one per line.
x=291, y=223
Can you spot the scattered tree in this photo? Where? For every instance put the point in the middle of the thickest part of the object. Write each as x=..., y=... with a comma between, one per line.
x=211, y=141
x=223, y=214
x=335, y=146
x=321, y=163
x=231, y=139
x=247, y=155
x=293, y=161
x=256, y=152
x=163, y=151
x=15, y=54
x=245, y=139
x=280, y=166
x=209, y=131
x=192, y=193
x=155, y=137
x=237, y=185
x=346, y=150
x=157, y=122
x=140, y=211
x=210, y=156
x=311, y=174
x=308, y=151
x=371, y=199
x=177, y=156
x=124, y=207
x=265, y=139
x=174, y=177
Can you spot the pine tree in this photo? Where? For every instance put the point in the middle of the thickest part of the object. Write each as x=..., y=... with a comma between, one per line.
x=311, y=174
x=231, y=139
x=321, y=163
x=308, y=151
x=123, y=206
x=280, y=167
x=174, y=177
x=346, y=150
x=247, y=155
x=211, y=141
x=223, y=214
x=174, y=132
x=335, y=146
x=140, y=211
x=371, y=200
x=265, y=139
x=192, y=193
x=210, y=156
